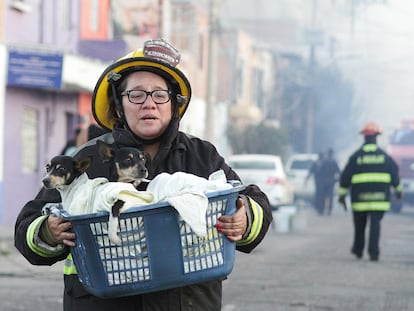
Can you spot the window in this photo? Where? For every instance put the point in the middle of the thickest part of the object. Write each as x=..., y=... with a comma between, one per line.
x=301, y=164
x=254, y=164
x=94, y=19
x=29, y=140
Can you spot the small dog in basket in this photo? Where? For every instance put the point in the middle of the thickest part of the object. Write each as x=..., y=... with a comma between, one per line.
x=82, y=195
x=127, y=164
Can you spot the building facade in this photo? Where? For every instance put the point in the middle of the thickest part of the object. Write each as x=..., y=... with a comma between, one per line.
x=47, y=87
x=53, y=52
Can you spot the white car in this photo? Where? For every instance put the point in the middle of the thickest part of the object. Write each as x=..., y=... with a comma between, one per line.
x=267, y=172
x=297, y=168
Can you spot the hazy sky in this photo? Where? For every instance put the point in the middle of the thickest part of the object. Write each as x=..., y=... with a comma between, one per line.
x=383, y=66
x=375, y=52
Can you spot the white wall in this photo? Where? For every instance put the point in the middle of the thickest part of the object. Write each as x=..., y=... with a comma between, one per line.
x=3, y=70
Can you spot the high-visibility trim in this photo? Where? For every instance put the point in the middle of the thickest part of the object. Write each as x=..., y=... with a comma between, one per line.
x=371, y=206
x=371, y=159
x=256, y=224
x=342, y=191
x=370, y=147
x=36, y=245
x=69, y=267
x=371, y=178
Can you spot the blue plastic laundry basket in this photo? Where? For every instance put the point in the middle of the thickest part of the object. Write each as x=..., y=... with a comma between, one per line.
x=158, y=250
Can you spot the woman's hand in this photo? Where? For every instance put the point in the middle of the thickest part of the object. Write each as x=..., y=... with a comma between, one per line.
x=58, y=228
x=234, y=226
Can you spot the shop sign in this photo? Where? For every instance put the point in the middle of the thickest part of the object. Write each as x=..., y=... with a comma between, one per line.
x=35, y=69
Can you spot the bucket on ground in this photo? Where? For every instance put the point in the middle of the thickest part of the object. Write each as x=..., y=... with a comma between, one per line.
x=284, y=218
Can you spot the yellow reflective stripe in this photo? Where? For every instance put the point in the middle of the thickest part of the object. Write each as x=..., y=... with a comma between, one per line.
x=256, y=225
x=369, y=147
x=371, y=177
x=31, y=236
x=399, y=188
x=371, y=206
x=342, y=191
x=69, y=267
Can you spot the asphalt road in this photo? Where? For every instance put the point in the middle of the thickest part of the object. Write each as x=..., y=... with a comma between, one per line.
x=309, y=268
x=312, y=269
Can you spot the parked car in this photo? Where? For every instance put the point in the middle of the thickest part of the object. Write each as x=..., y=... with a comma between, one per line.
x=266, y=171
x=297, y=168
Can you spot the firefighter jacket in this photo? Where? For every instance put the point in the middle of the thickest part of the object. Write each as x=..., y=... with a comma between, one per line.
x=369, y=174
x=178, y=152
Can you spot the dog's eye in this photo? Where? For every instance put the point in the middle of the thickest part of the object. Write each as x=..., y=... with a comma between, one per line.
x=127, y=162
x=128, y=159
x=61, y=169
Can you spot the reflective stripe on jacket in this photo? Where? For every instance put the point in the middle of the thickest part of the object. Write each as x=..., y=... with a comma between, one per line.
x=369, y=174
x=180, y=152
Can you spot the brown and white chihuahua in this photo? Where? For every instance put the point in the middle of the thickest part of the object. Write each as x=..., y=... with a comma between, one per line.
x=79, y=193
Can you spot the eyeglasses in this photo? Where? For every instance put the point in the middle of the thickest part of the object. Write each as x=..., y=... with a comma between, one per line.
x=139, y=96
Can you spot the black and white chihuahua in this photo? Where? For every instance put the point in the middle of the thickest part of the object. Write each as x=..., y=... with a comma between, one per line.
x=127, y=164
x=81, y=195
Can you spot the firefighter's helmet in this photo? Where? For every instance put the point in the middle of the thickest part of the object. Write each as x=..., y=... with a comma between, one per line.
x=157, y=56
x=371, y=128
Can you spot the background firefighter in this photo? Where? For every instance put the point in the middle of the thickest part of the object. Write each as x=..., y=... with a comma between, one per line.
x=369, y=175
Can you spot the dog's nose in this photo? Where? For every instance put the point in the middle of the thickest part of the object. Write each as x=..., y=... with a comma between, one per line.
x=143, y=172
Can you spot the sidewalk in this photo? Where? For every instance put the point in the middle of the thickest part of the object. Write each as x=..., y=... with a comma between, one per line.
x=12, y=263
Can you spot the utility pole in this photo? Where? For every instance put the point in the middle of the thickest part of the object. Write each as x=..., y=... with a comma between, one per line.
x=310, y=92
x=211, y=71
x=352, y=16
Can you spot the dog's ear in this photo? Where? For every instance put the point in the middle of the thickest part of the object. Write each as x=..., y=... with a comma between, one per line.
x=82, y=164
x=106, y=152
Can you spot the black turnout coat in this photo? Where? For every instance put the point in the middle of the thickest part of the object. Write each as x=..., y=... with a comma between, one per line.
x=178, y=152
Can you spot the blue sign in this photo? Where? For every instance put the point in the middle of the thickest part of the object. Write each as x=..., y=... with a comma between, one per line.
x=35, y=69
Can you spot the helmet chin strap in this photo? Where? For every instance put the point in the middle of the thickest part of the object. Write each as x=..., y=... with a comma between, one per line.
x=181, y=100
x=113, y=77
x=118, y=104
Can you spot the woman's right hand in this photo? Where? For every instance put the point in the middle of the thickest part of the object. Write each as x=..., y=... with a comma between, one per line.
x=58, y=228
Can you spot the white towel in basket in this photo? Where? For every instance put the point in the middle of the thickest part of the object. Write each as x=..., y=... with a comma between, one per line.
x=186, y=193
x=85, y=196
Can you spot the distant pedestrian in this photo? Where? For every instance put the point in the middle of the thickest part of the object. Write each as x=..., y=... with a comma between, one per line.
x=82, y=135
x=369, y=174
x=315, y=171
x=329, y=175
x=72, y=144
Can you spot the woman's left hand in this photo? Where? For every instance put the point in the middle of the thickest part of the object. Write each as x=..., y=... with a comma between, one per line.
x=234, y=226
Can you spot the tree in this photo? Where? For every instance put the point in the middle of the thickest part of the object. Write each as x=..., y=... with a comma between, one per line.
x=261, y=138
x=330, y=96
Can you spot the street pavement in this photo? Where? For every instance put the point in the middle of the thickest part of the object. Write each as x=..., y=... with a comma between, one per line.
x=24, y=286
x=311, y=268
x=308, y=268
